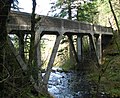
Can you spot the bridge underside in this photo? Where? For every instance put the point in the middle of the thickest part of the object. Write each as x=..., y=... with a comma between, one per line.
x=20, y=24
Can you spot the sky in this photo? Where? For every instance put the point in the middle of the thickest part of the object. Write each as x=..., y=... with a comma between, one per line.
x=42, y=8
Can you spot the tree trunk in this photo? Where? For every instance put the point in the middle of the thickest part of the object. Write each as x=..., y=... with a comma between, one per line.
x=70, y=18
x=5, y=6
x=69, y=10
x=34, y=68
x=31, y=52
x=114, y=15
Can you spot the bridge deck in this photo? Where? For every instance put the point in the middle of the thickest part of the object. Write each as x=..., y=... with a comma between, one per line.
x=22, y=21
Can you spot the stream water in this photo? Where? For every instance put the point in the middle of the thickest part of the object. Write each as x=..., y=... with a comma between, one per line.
x=71, y=85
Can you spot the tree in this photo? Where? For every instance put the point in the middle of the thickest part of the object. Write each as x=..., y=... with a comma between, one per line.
x=87, y=12
x=109, y=16
x=9, y=68
x=66, y=8
x=5, y=6
x=115, y=18
x=105, y=13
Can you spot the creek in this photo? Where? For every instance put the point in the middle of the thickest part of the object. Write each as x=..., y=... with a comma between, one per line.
x=70, y=84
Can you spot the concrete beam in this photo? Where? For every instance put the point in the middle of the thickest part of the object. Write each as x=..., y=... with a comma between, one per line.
x=21, y=45
x=79, y=47
x=73, y=48
x=22, y=21
x=99, y=48
x=52, y=58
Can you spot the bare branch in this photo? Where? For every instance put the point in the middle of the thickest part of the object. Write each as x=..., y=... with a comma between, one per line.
x=114, y=15
x=7, y=75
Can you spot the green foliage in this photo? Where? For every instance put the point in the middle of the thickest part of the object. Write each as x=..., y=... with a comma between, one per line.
x=47, y=95
x=15, y=83
x=107, y=77
x=67, y=65
x=87, y=12
x=112, y=77
x=61, y=6
x=14, y=39
x=105, y=14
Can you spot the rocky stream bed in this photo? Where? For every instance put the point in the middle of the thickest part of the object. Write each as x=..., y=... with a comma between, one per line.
x=71, y=85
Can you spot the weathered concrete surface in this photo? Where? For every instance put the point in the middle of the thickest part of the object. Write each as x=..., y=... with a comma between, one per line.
x=18, y=21
x=22, y=21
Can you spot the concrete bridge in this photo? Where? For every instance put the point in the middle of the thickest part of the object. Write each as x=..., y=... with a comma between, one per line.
x=20, y=24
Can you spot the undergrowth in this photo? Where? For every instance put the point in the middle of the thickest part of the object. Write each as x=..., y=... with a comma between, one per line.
x=107, y=76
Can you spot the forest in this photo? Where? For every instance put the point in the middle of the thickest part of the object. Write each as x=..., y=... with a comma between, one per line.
x=21, y=74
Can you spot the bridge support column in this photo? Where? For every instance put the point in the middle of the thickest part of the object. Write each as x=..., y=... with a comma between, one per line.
x=99, y=48
x=94, y=55
x=38, y=48
x=79, y=47
x=37, y=58
x=91, y=47
x=21, y=44
x=52, y=58
x=73, y=48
